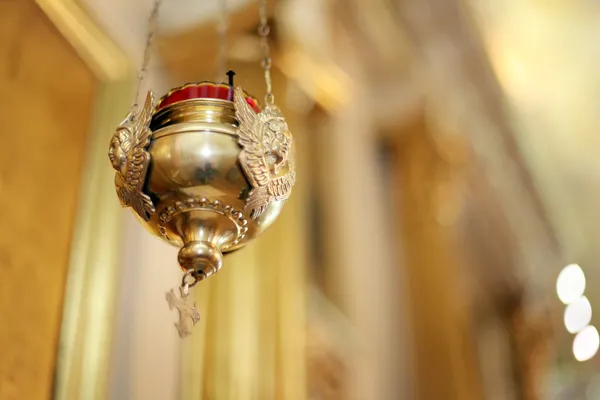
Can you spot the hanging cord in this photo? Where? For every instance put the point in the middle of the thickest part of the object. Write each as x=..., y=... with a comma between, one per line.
x=222, y=28
x=152, y=28
x=263, y=31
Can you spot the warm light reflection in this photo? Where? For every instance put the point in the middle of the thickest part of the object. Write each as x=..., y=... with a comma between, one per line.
x=323, y=80
x=578, y=315
x=586, y=344
x=570, y=284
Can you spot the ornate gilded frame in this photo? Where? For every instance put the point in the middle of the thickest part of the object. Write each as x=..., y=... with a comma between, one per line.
x=90, y=293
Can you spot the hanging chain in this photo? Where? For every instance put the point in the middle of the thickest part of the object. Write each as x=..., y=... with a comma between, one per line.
x=222, y=28
x=263, y=31
x=152, y=28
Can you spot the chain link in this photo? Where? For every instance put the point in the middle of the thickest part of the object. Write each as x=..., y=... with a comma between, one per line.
x=263, y=31
x=222, y=28
x=152, y=28
x=188, y=281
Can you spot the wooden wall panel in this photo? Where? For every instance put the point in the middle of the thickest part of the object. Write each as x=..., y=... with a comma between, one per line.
x=46, y=95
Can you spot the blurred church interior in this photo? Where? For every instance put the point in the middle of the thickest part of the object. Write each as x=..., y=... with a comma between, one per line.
x=446, y=153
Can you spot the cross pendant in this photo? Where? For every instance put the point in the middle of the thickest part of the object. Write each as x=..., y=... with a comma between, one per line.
x=188, y=313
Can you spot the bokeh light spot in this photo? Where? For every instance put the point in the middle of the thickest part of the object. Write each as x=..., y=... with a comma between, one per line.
x=570, y=284
x=586, y=344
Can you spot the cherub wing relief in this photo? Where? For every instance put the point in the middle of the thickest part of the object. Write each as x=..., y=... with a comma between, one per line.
x=252, y=132
x=131, y=141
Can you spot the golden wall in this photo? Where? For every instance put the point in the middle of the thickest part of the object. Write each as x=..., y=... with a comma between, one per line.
x=46, y=92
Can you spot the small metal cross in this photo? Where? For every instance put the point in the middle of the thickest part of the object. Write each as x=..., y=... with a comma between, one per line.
x=187, y=312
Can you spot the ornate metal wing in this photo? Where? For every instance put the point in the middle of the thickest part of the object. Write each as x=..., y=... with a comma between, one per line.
x=260, y=158
x=249, y=132
x=130, y=159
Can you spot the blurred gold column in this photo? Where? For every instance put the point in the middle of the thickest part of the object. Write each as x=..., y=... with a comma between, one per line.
x=361, y=276
x=445, y=348
x=250, y=343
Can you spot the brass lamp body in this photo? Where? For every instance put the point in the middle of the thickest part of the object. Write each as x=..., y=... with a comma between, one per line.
x=207, y=157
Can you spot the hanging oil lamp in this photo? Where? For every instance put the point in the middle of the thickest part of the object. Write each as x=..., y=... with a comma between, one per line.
x=205, y=168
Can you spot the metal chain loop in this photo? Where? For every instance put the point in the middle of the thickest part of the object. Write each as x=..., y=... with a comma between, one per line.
x=152, y=28
x=185, y=284
x=263, y=31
